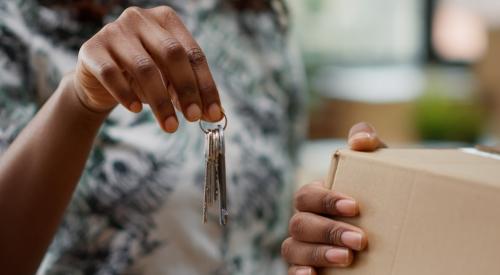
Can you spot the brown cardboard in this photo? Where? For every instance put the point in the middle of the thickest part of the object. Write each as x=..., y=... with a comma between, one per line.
x=432, y=212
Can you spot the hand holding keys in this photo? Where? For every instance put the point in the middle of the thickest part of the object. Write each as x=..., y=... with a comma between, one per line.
x=215, y=171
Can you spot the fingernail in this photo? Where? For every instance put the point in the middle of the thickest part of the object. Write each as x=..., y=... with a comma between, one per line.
x=337, y=255
x=193, y=112
x=352, y=239
x=214, y=111
x=347, y=207
x=135, y=107
x=359, y=136
x=303, y=271
x=171, y=124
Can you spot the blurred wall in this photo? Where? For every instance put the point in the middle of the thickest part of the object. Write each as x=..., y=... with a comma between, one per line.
x=420, y=71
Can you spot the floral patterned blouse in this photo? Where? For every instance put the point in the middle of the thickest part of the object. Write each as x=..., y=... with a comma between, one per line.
x=137, y=208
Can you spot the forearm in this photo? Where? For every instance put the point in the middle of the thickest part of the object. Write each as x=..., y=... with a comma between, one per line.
x=38, y=174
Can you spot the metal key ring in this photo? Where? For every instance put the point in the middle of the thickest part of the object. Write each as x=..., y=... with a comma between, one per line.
x=206, y=131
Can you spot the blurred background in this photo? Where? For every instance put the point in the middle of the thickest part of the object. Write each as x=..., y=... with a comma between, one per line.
x=423, y=72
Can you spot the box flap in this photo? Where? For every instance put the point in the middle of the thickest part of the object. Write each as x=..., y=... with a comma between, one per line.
x=330, y=178
x=445, y=162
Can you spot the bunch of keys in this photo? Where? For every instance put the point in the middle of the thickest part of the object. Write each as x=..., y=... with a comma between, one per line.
x=215, y=171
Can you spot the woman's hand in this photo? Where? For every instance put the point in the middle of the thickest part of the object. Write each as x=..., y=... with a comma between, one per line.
x=147, y=56
x=316, y=239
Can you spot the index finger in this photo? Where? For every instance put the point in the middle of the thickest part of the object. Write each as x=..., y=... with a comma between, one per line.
x=315, y=198
x=212, y=109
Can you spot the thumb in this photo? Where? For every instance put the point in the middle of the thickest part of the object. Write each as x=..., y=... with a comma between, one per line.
x=363, y=137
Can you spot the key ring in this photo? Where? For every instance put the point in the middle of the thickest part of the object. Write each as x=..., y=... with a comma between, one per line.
x=206, y=131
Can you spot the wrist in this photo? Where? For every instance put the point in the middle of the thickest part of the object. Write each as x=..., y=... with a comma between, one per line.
x=96, y=104
x=70, y=95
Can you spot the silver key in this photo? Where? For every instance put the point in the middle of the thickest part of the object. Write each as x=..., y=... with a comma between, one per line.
x=215, y=172
x=221, y=171
x=213, y=168
x=210, y=175
x=206, y=187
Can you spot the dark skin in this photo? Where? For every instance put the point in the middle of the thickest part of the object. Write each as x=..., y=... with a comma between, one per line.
x=147, y=56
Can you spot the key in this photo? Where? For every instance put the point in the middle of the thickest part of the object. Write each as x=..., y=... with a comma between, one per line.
x=209, y=168
x=216, y=160
x=221, y=171
x=214, y=188
x=206, y=187
x=213, y=167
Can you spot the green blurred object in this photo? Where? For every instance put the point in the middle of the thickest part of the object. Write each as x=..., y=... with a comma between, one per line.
x=440, y=118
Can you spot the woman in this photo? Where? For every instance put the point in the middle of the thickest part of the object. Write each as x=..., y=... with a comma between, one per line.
x=137, y=206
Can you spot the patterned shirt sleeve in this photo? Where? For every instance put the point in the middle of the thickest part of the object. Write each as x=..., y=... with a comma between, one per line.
x=17, y=98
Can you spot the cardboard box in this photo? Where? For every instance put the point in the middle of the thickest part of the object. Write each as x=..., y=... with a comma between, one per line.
x=432, y=212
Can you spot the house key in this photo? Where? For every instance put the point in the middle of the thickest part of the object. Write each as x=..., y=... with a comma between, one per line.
x=215, y=172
